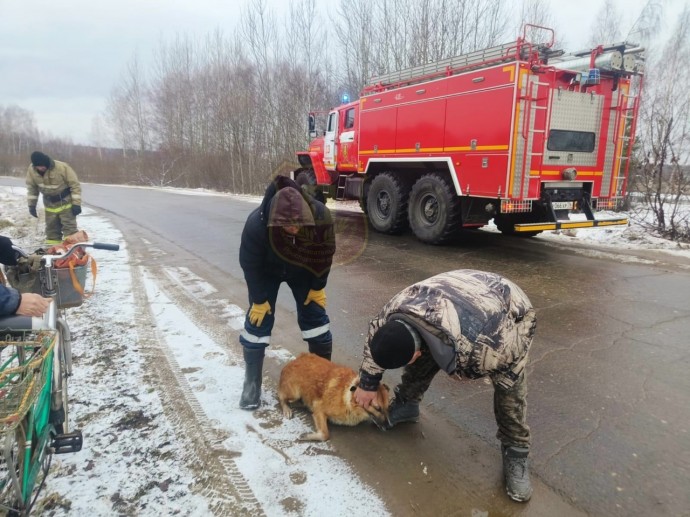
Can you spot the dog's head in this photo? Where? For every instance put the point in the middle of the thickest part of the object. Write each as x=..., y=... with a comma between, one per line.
x=378, y=410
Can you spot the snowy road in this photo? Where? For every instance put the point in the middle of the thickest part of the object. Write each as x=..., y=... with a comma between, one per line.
x=164, y=434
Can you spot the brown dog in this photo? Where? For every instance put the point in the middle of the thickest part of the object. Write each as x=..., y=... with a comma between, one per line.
x=327, y=390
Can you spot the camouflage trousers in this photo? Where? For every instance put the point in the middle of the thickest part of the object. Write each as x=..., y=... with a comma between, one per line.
x=60, y=224
x=510, y=405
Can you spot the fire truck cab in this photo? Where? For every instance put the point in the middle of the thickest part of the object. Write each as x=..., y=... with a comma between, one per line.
x=519, y=133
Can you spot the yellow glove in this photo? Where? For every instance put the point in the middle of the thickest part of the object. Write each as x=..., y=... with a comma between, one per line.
x=258, y=311
x=318, y=297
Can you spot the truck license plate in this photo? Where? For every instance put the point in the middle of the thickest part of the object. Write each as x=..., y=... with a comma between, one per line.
x=562, y=205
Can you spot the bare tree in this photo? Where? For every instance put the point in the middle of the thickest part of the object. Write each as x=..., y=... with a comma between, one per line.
x=662, y=172
x=128, y=109
x=380, y=36
x=647, y=22
x=98, y=134
x=18, y=137
x=355, y=31
x=607, y=25
x=307, y=37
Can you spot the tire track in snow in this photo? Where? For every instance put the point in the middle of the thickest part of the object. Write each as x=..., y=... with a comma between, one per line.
x=219, y=479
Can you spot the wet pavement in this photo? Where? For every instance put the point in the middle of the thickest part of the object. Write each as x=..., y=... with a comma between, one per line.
x=609, y=393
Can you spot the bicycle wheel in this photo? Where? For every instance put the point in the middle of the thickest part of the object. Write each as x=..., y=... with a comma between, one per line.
x=64, y=393
x=59, y=406
x=12, y=468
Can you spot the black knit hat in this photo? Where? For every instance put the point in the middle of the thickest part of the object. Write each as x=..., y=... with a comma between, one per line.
x=393, y=345
x=38, y=159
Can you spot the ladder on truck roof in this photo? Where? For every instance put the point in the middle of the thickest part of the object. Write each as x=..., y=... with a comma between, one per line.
x=449, y=66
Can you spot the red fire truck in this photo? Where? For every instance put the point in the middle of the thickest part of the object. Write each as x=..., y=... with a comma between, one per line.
x=520, y=133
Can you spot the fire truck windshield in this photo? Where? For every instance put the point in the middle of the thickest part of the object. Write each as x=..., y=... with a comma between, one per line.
x=571, y=141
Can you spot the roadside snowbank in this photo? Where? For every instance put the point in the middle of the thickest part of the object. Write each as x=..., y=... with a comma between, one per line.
x=134, y=460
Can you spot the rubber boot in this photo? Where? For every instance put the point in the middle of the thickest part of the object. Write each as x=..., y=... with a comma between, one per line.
x=516, y=473
x=251, y=392
x=401, y=410
x=322, y=349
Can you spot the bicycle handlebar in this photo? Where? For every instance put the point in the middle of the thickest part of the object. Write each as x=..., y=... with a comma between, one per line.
x=106, y=246
x=94, y=245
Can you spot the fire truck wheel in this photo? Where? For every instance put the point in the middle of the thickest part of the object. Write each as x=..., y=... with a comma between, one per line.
x=434, y=210
x=307, y=182
x=387, y=203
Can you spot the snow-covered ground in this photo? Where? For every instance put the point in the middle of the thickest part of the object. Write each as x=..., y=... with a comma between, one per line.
x=133, y=461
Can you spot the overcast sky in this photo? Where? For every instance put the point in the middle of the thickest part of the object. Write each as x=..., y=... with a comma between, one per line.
x=60, y=59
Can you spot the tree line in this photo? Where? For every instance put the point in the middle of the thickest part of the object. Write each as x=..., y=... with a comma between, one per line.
x=229, y=110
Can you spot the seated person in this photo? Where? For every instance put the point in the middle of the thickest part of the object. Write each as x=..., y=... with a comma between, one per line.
x=12, y=302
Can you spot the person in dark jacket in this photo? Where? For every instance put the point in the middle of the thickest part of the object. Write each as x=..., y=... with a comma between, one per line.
x=289, y=238
x=470, y=324
x=12, y=301
x=61, y=190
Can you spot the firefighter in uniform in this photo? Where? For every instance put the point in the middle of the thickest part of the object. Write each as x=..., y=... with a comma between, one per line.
x=61, y=191
x=288, y=238
x=470, y=324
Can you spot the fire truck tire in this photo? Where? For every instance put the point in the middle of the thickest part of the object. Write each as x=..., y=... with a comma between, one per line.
x=434, y=210
x=307, y=182
x=387, y=204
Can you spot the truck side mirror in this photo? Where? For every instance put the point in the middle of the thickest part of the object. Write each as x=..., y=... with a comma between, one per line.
x=311, y=123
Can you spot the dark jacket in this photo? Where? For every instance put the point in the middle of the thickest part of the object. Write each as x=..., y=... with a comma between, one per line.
x=9, y=297
x=475, y=324
x=9, y=300
x=267, y=253
x=7, y=254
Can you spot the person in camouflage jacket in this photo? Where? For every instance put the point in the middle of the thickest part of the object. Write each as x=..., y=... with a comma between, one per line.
x=61, y=191
x=469, y=324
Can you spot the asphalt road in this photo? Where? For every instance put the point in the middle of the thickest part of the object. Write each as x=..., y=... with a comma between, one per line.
x=608, y=384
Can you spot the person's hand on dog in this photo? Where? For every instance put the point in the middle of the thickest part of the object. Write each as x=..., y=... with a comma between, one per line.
x=364, y=398
x=318, y=297
x=258, y=312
